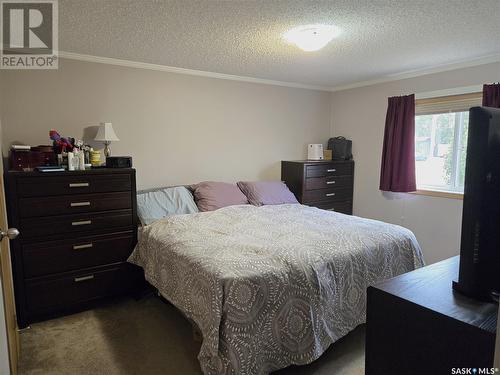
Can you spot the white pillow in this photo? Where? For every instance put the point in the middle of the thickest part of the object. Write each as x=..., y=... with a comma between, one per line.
x=156, y=204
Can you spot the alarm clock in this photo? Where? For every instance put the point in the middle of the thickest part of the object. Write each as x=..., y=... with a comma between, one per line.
x=119, y=162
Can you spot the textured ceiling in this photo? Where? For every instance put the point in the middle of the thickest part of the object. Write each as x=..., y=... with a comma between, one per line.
x=379, y=37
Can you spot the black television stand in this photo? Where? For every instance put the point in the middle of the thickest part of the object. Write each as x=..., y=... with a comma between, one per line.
x=417, y=324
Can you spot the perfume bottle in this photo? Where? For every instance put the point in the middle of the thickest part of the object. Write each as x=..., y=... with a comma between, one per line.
x=81, y=160
x=71, y=161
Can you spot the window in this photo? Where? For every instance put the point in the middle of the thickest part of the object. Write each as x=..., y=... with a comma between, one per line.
x=441, y=128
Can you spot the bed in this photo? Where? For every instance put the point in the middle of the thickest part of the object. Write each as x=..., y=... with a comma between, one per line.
x=271, y=286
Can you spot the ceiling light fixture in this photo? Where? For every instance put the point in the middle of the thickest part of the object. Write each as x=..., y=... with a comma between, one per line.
x=311, y=37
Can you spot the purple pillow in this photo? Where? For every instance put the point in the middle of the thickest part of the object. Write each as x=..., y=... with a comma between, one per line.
x=210, y=196
x=267, y=192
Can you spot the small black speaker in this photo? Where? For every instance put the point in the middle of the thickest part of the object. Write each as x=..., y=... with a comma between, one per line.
x=119, y=162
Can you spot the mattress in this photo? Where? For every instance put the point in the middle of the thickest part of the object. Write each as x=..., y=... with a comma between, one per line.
x=271, y=286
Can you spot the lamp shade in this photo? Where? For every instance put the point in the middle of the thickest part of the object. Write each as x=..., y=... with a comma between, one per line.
x=106, y=133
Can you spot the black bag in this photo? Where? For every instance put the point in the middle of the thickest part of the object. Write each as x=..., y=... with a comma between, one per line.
x=341, y=148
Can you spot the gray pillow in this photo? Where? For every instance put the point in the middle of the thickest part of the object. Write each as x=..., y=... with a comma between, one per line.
x=156, y=204
x=261, y=193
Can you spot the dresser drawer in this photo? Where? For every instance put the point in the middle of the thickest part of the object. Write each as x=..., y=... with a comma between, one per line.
x=337, y=169
x=315, y=183
x=73, y=224
x=49, y=293
x=343, y=207
x=72, y=184
x=45, y=258
x=331, y=195
x=68, y=204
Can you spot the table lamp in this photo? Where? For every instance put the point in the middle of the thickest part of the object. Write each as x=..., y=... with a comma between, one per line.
x=106, y=134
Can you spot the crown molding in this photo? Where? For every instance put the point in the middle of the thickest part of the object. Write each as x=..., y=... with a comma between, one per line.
x=193, y=72
x=201, y=73
x=422, y=72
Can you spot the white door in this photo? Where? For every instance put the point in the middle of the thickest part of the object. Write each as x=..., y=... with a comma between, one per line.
x=9, y=336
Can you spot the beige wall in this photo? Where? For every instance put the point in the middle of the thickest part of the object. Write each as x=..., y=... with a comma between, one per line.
x=359, y=114
x=178, y=128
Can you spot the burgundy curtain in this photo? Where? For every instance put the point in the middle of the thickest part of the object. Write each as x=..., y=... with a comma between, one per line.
x=398, y=155
x=491, y=95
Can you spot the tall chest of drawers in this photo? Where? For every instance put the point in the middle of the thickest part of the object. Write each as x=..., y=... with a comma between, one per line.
x=77, y=230
x=324, y=184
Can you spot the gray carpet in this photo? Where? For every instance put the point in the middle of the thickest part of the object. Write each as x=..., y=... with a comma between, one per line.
x=145, y=337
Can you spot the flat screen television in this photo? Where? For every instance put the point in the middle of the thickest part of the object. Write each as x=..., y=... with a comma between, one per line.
x=479, y=275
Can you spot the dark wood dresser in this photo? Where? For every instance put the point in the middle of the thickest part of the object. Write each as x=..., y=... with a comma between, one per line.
x=324, y=184
x=417, y=324
x=77, y=230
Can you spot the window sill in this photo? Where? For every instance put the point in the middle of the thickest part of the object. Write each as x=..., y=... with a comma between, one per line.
x=440, y=194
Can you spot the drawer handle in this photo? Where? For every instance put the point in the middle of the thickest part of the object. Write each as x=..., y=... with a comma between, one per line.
x=330, y=194
x=83, y=222
x=83, y=246
x=331, y=170
x=331, y=209
x=79, y=184
x=80, y=204
x=330, y=182
x=83, y=278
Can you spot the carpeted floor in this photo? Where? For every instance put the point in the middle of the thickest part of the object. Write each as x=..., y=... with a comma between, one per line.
x=145, y=337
